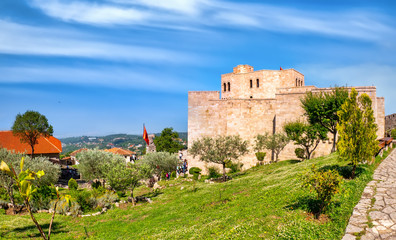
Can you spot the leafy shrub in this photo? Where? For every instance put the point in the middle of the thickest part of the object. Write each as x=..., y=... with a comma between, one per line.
x=82, y=197
x=3, y=194
x=300, y=153
x=393, y=133
x=325, y=183
x=173, y=174
x=235, y=167
x=64, y=207
x=163, y=175
x=42, y=198
x=106, y=200
x=160, y=162
x=73, y=185
x=213, y=172
x=52, y=171
x=96, y=192
x=260, y=156
x=121, y=194
x=96, y=184
x=195, y=171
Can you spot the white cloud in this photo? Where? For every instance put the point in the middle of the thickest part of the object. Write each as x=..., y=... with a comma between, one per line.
x=23, y=39
x=183, y=14
x=112, y=77
x=380, y=76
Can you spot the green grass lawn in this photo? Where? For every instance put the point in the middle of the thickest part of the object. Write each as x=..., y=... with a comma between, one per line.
x=264, y=202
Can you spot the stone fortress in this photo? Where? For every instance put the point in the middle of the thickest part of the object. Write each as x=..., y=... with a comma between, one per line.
x=254, y=102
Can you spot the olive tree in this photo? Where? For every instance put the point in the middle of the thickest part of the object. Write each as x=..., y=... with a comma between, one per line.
x=168, y=141
x=94, y=164
x=306, y=135
x=220, y=149
x=30, y=126
x=357, y=130
x=160, y=162
x=275, y=142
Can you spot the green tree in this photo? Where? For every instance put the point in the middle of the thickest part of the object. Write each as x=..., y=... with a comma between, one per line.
x=393, y=133
x=30, y=126
x=122, y=177
x=168, y=141
x=325, y=183
x=220, y=149
x=306, y=135
x=321, y=108
x=94, y=164
x=275, y=142
x=357, y=130
x=160, y=162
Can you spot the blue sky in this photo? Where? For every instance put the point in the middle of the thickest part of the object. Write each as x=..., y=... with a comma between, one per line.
x=102, y=67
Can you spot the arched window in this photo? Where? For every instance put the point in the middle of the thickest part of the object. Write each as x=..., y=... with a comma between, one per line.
x=251, y=83
x=258, y=82
x=224, y=87
x=229, y=86
x=296, y=82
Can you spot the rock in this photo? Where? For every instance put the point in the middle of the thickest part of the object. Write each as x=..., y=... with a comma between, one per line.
x=353, y=229
x=96, y=214
x=117, y=204
x=104, y=209
x=156, y=186
x=181, y=188
x=68, y=214
x=348, y=237
x=149, y=200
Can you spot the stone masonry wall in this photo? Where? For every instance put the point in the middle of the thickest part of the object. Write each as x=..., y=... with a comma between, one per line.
x=390, y=122
x=208, y=115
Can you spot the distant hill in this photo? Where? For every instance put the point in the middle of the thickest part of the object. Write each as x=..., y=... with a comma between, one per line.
x=132, y=142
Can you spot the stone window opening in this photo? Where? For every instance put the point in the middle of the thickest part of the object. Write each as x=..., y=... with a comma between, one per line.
x=224, y=87
x=229, y=86
x=251, y=96
x=251, y=83
x=296, y=82
x=258, y=82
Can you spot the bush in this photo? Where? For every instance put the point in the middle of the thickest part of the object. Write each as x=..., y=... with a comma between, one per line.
x=82, y=197
x=325, y=183
x=64, y=207
x=96, y=184
x=173, y=174
x=235, y=167
x=42, y=198
x=160, y=162
x=393, y=133
x=73, y=185
x=163, y=175
x=300, y=153
x=52, y=171
x=260, y=156
x=195, y=171
x=213, y=172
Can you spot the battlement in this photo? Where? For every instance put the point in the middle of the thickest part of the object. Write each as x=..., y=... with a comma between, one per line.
x=243, y=69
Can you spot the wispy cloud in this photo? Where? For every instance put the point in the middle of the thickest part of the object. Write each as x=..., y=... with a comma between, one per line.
x=111, y=77
x=30, y=40
x=361, y=24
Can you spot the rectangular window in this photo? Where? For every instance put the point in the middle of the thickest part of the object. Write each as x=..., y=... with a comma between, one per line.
x=258, y=82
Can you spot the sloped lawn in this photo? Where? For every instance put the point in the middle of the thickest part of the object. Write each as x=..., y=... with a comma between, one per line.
x=265, y=202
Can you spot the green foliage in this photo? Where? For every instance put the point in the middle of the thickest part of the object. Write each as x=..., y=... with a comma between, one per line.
x=275, y=142
x=213, y=172
x=43, y=197
x=160, y=162
x=220, y=149
x=357, y=130
x=393, y=133
x=325, y=183
x=52, y=171
x=82, y=198
x=94, y=164
x=195, y=171
x=73, y=185
x=173, y=174
x=306, y=135
x=168, y=141
x=300, y=153
x=260, y=156
x=234, y=167
x=321, y=108
x=30, y=126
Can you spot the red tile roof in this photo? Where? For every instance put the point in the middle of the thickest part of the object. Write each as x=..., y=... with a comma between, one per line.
x=44, y=145
x=77, y=151
x=120, y=151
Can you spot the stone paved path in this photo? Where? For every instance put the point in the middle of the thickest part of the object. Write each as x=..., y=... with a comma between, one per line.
x=374, y=217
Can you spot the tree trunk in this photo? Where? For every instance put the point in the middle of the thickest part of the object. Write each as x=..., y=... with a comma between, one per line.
x=353, y=172
x=35, y=221
x=133, y=199
x=32, y=152
x=11, y=196
x=334, y=142
x=224, y=171
x=308, y=153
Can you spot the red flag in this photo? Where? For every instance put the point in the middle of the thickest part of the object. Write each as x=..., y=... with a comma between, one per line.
x=145, y=136
x=280, y=68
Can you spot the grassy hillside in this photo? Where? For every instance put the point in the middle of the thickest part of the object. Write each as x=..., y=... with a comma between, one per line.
x=265, y=202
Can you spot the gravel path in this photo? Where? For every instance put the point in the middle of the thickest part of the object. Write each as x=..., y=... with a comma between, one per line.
x=374, y=217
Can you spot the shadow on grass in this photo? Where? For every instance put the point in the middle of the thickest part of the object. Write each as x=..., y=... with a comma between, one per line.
x=56, y=229
x=310, y=205
x=345, y=171
x=152, y=194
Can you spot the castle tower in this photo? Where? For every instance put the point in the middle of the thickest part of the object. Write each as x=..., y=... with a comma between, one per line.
x=245, y=83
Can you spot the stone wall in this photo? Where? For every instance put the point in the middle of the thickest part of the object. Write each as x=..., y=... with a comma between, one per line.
x=390, y=122
x=277, y=102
